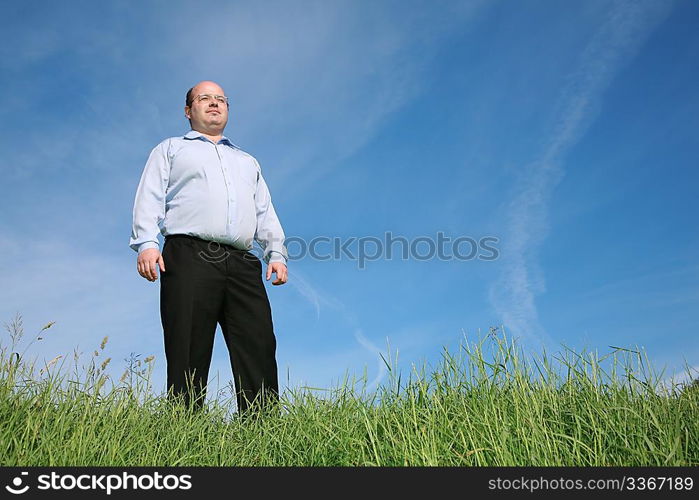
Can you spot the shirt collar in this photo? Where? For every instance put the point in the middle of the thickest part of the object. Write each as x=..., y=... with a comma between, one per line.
x=193, y=134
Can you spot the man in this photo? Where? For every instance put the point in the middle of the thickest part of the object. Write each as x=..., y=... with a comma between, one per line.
x=209, y=199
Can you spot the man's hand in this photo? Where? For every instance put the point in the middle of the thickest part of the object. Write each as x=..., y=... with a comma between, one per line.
x=147, y=261
x=280, y=269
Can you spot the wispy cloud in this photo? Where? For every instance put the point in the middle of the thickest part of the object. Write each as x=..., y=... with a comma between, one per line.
x=308, y=86
x=339, y=310
x=416, y=340
x=320, y=81
x=304, y=288
x=513, y=295
x=381, y=366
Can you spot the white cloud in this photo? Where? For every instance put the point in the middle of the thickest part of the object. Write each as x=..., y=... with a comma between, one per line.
x=681, y=378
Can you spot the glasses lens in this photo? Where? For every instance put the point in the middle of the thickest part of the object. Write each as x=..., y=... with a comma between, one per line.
x=221, y=99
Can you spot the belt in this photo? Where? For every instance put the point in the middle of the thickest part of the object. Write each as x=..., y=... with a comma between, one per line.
x=190, y=237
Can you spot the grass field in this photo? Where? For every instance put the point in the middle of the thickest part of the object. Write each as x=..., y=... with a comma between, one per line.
x=490, y=403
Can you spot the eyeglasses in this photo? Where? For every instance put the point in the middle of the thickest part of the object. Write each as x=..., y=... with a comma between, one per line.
x=207, y=98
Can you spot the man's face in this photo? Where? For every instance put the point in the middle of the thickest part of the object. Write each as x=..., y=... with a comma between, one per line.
x=208, y=115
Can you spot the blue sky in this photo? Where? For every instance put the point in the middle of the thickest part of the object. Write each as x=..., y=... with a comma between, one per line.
x=568, y=132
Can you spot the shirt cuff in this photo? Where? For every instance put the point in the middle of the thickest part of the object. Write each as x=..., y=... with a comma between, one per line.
x=274, y=256
x=148, y=244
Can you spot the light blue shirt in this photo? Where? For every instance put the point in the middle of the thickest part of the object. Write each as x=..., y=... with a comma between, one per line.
x=213, y=191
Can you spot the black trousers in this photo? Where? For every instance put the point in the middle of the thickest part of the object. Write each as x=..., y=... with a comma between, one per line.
x=205, y=284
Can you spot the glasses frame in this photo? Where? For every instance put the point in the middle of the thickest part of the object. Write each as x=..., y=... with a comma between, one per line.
x=215, y=97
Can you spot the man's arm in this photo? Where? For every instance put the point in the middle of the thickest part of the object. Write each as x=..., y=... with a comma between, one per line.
x=149, y=212
x=269, y=233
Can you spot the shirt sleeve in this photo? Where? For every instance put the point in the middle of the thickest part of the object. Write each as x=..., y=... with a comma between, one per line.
x=269, y=233
x=149, y=205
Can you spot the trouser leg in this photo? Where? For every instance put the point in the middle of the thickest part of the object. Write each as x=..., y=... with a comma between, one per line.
x=246, y=321
x=191, y=294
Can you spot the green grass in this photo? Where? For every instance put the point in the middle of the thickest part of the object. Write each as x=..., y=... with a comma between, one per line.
x=489, y=403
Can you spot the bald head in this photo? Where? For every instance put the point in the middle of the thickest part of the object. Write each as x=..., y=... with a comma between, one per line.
x=197, y=89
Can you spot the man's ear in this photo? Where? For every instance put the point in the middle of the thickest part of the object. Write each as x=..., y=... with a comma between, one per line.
x=186, y=112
